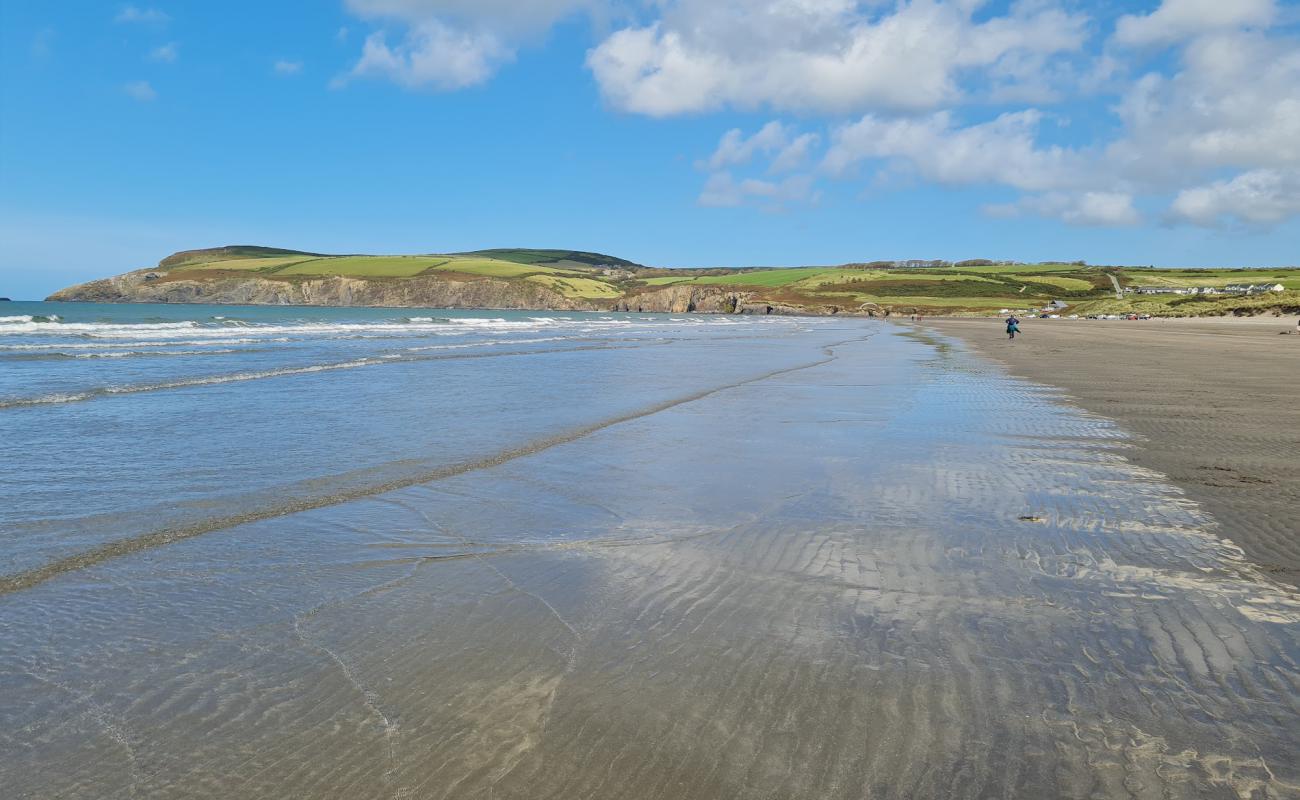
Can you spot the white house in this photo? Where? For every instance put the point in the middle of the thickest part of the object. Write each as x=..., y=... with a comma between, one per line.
x=1161, y=290
x=1255, y=288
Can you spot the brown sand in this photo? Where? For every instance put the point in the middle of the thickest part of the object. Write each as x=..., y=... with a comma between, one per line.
x=1213, y=402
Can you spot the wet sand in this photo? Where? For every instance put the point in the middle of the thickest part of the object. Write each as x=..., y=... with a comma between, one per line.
x=1215, y=404
x=890, y=571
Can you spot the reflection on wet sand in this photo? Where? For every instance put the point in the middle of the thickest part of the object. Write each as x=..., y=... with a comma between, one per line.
x=817, y=585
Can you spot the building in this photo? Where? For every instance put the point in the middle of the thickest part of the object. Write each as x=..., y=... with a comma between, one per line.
x=1160, y=290
x=1254, y=288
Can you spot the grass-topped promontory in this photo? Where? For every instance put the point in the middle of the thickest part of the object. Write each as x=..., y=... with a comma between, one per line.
x=589, y=279
x=571, y=273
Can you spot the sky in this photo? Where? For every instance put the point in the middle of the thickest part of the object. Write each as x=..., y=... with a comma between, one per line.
x=668, y=132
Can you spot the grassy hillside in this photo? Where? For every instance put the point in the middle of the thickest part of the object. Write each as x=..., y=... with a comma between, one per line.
x=571, y=273
x=874, y=288
x=554, y=258
x=231, y=252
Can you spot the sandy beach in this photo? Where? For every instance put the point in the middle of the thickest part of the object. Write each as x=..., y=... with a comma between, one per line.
x=1213, y=402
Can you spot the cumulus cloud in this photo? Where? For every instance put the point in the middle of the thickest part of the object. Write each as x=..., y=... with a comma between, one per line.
x=167, y=53
x=1181, y=19
x=781, y=146
x=737, y=149
x=140, y=91
x=950, y=92
x=1003, y=151
x=450, y=44
x=143, y=15
x=1220, y=132
x=433, y=55
x=795, y=153
x=821, y=55
x=1258, y=197
x=1108, y=209
x=723, y=190
x=1234, y=103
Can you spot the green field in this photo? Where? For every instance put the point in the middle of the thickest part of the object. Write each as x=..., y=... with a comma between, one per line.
x=365, y=266
x=243, y=264
x=229, y=253
x=578, y=260
x=587, y=288
x=1069, y=284
x=492, y=268
x=770, y=278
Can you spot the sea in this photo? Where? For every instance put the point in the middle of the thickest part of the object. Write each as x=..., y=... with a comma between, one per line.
x=126, y=423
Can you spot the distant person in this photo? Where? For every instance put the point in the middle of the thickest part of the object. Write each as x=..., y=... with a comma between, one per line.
x=1013, y=326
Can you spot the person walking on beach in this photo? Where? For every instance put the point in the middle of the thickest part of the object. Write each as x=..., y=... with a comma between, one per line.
x=1013, y=326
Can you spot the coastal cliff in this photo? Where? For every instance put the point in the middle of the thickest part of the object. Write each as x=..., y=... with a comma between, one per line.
x=423, y=291
x=145, y=286
x=576, y=280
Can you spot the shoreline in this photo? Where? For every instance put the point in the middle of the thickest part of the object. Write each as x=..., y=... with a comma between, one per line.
x=1210, y=400
x=775, y=308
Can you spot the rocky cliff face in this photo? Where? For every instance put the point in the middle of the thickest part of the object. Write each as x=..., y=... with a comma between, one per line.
x=153, y=286
x=147, y=286
x=685, y=299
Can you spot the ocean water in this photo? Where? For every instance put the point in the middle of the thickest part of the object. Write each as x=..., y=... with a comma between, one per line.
x=129, y=421
x=403, y=554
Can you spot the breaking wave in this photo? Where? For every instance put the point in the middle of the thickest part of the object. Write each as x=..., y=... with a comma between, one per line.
x=73, y=397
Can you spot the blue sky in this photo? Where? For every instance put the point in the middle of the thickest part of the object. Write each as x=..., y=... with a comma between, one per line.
x=673, y=133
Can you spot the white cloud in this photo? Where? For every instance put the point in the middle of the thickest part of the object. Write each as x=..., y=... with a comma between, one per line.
x=451, y=44
x=1220, y=132
x=735, y=149
x=433, y=56
x=1101, y=208
x=1104, y=209
x=722, y=190
x=1259, y=197
x=1181, y=19
x=1002, y=151
x=1234, y=103
x=822, y=55
x=144, y=15
x=167, y=53
x=141, y=91
x=286, y=68
x=796, y=153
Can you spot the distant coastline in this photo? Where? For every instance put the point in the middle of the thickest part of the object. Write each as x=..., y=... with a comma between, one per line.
x=561, y=280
